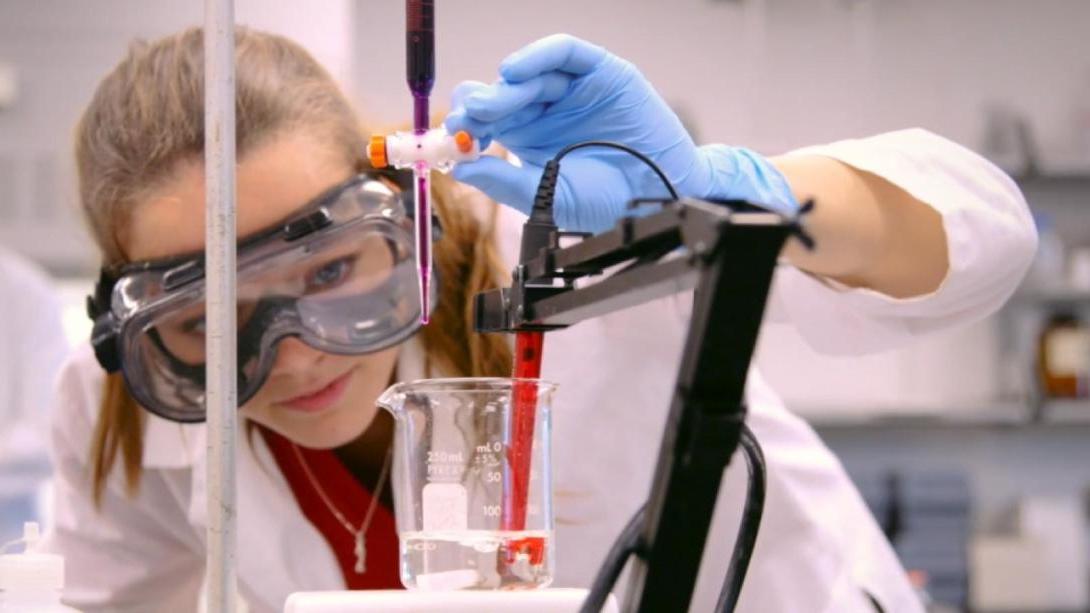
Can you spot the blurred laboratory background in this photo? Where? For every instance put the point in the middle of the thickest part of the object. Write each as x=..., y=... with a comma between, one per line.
x=972, y=449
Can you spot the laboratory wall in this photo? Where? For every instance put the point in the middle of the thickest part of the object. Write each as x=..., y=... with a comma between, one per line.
x=767, y=74
x=779, y=74
x=1007, y=78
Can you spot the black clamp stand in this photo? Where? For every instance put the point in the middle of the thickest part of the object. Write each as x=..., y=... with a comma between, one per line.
x=727, y=252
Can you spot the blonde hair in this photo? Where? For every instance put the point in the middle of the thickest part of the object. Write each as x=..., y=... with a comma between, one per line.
x=147, y=116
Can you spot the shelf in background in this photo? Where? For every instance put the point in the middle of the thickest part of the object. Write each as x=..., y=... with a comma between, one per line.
x=1062, y=297
x=1066, y=412
x=1073, y=181
x=1060, y=414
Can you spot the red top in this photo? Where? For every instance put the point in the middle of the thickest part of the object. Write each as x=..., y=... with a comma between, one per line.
x=352, y=501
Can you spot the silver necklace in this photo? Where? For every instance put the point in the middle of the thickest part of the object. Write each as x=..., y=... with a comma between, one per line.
x=359, y=534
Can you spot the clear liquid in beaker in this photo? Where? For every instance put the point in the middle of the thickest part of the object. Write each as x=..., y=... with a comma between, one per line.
x=476, y=559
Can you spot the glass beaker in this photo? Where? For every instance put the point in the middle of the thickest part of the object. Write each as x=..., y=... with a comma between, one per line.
x=471, y=482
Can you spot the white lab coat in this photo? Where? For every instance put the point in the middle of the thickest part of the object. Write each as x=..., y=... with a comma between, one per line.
x=818, y=550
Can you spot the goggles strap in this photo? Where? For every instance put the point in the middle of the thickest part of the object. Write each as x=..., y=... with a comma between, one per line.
x=98, y=303
x=105, y=330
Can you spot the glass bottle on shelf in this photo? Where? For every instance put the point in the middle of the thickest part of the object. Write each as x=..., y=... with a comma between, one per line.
x=1063, y=357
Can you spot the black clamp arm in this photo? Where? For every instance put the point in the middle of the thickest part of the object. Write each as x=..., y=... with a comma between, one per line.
x=727, y=254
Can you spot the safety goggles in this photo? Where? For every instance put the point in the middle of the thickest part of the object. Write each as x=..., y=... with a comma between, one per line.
x=339, y=275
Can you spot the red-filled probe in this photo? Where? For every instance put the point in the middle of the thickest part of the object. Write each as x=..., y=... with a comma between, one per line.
x=527, y=367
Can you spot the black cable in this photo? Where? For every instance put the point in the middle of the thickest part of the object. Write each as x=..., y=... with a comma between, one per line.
x=750, y=524
x=628, y=542
x=629, y=150
x=540, y=230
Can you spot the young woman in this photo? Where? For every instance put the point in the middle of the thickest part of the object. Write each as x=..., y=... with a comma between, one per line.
x=916, y=233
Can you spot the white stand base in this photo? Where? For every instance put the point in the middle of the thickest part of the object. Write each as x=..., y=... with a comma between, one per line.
x=400, y=601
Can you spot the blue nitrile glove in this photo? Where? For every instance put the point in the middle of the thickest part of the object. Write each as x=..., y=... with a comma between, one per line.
x=561, y=90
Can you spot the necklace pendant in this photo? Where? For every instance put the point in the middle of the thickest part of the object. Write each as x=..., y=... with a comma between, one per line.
x=361, y=553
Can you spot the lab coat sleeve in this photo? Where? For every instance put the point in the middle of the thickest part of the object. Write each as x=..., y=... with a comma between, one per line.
x=990, y=241
x=130, y=553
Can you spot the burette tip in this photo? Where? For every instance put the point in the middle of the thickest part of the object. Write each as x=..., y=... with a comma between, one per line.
x=425, y=294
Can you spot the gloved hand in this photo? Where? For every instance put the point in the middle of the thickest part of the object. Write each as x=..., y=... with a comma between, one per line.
x=561, y=90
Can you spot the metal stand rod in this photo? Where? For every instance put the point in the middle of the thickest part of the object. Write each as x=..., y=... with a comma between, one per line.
x=221, y=395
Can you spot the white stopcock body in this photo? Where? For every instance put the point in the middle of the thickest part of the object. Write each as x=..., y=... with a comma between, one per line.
x=31, y=582
x=422, y=152
x=437, y=148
